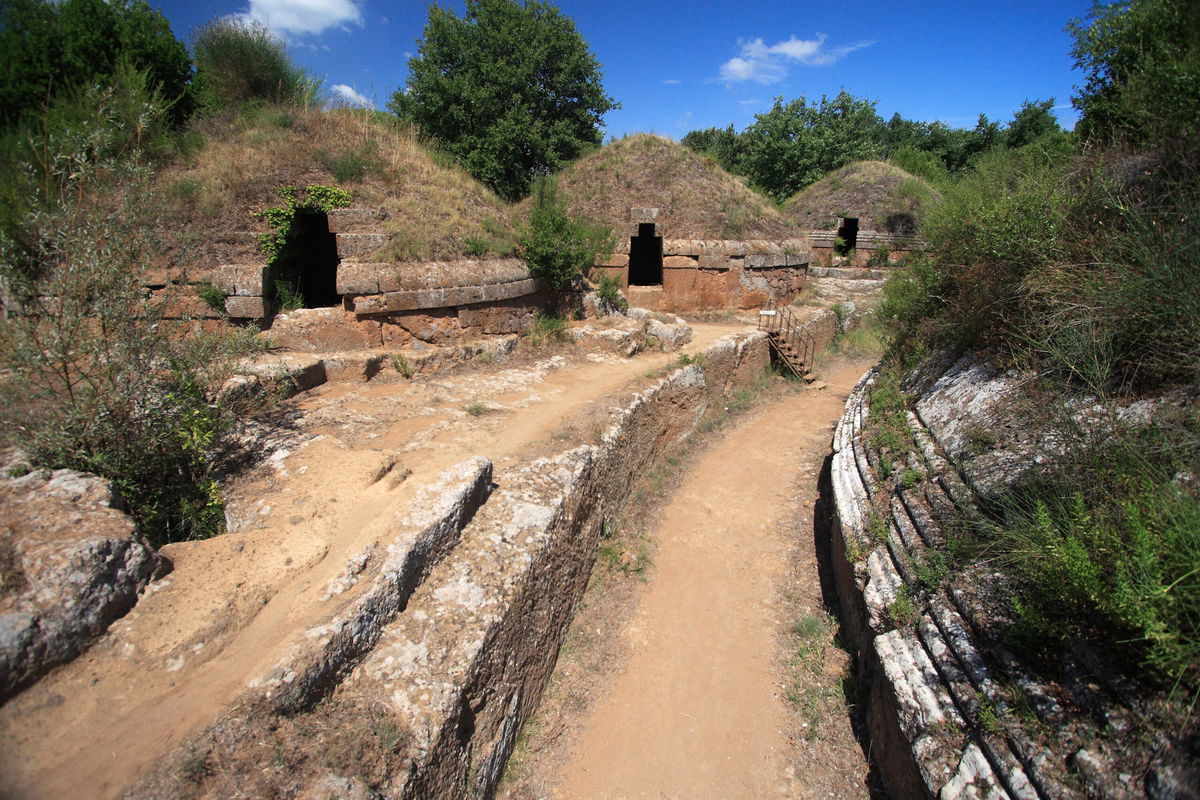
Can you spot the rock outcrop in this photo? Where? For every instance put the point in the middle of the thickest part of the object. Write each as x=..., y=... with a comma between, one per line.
x=952, y=712
x=70, y=563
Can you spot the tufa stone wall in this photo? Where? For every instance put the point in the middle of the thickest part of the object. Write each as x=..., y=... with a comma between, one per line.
x=453, y=629
x=823, y=245
x=716, y=274
x=951, y=711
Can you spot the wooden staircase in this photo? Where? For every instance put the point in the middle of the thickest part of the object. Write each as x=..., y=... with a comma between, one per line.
x=791, y=342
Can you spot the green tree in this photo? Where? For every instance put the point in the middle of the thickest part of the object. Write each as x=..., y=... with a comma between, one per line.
x=511, y=90
x=51, y=48
x=795, y=144
x=242, y=62
x=1030, y=123
x=722, y=144
x=1142, y=62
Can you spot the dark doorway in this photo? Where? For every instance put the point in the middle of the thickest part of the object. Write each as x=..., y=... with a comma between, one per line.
x=847, y=234
x=645, y=257
x=308, y=265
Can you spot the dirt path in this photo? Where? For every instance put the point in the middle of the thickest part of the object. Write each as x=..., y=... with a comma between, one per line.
x=235, y=603
x=730, y=687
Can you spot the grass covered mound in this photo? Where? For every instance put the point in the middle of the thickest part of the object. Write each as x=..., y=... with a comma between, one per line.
x=238, y=162
x=883, y=197
x=699, y=198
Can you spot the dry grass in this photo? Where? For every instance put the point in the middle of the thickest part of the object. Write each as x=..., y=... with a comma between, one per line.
x=700, y=200
x=434, y=209
x=882, y=195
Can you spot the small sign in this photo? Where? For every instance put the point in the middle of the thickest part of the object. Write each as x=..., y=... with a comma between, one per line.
x=767, y=312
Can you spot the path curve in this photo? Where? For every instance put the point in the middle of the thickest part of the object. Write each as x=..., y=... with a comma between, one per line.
x=699, y=710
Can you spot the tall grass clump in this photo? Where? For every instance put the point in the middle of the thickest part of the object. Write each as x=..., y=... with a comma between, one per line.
x=240, y=62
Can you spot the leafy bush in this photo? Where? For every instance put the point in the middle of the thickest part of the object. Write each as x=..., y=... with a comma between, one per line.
x=213, y=297
x=1142, y=61
x=240, y=62
x=922, y=164
x=557, y=247
x=1005, y=220
x=608, y=289
x=1109, y=548
x=85, y=129
x=96, y=383
x=56, y=48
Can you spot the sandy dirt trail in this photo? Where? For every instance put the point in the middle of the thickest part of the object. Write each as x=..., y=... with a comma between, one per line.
x=233, y=604
x=698, y=710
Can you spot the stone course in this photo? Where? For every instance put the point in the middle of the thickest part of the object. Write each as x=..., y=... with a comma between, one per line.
x=703, y=274
x=951, y=713
x=458, y=649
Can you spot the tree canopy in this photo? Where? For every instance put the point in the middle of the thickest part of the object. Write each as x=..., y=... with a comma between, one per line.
x=1142, y=62
x=511, y=90
x=50, y=48
x=796, y=143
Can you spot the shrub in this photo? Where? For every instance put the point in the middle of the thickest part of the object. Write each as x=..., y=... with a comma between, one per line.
x=1108, y=548
x=922, y=164
x=558, y=247
x=241, y=62
x=96, y=383
x=213, y=297
x=548, y=328
x=54, y=48
x=608, y=289
x=347, y=167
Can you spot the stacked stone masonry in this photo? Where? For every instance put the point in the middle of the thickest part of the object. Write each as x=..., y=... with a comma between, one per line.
x=455, y=628
x=716, y=274
x=942, y=724
x=824, y=248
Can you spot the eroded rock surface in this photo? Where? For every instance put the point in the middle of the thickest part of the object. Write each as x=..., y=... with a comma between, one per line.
x=70, y=563
x=952, y=712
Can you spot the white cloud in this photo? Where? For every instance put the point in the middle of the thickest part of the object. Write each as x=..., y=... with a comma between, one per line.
x=348, y=96
x=304, y=16
x=763, y=63
x=672, y=81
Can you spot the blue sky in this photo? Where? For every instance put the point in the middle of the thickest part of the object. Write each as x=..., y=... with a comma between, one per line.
x=678, y=66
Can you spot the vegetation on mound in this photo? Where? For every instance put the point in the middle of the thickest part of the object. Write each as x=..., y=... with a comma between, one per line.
x=883, y=196
x=240, y=62
x=1079, y=264
x=510, y=90
x=432, y=208
x=796, y=143
x=702, y=200
x=557, y=247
